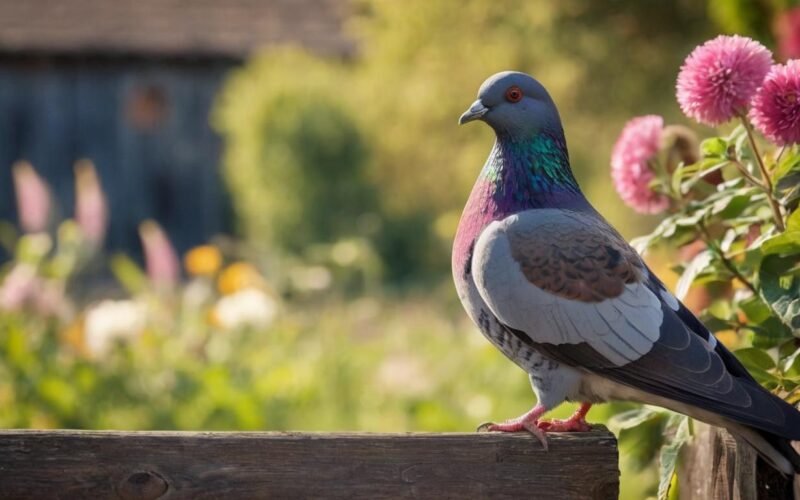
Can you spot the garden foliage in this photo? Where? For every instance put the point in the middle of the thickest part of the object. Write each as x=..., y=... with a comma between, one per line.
x=732, y=205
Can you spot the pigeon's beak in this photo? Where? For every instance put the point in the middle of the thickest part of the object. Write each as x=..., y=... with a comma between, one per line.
x=475, y=112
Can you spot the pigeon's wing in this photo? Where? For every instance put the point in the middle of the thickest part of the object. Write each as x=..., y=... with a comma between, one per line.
x=557, y=276
x=569, y=285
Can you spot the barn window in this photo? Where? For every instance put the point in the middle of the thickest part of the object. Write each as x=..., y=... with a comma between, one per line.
x=146, y=107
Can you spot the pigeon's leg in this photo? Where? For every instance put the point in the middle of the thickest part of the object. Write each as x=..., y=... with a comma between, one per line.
x=528, y=422
x=575, y=423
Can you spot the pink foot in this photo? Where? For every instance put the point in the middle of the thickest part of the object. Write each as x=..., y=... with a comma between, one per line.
x=568, y=425
x=576, y=423
x=528, y=422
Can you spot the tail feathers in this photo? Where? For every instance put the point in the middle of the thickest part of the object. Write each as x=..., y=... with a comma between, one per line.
x=777, y=451
x=785, y=448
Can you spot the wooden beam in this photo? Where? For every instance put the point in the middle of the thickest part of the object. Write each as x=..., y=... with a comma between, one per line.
x=173, y=465
x=718, y=466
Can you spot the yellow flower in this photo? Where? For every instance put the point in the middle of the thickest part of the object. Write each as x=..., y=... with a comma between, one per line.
x=73, y=335
x=238, y=276
x=204, y=260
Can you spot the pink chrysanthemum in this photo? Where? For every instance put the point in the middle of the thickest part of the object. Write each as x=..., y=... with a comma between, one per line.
x=776, y=105
x=787, y=31
x=631, y=172
x=719, y=78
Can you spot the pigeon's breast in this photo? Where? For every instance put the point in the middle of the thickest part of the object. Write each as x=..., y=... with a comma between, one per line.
x=478, y=214
x=480, y=313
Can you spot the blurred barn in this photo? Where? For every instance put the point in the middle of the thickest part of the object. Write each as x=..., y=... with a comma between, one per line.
x=129, y=85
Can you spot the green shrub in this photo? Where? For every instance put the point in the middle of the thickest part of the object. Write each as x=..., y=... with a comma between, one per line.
x=295, y=158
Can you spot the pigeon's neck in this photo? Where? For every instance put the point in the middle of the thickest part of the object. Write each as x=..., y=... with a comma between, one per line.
x=518, y=175
x=522, y=174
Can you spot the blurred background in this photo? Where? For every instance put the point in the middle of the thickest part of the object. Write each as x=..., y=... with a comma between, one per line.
x=238, y=215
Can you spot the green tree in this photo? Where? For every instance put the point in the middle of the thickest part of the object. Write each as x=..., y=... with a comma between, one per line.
x=295, y=158
x=419, y=65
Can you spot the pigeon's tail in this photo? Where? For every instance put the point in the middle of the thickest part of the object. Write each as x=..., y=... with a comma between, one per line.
x=777, y=451
x=785, y=448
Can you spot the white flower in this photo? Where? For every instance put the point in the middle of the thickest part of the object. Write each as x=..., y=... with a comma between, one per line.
x=249, y=307
x=197, y=293
x=111, y=320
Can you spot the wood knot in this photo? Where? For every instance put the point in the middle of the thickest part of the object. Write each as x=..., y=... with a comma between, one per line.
x=142, y=485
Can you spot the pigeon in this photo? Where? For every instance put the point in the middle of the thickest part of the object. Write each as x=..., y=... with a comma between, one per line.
x=559, y=291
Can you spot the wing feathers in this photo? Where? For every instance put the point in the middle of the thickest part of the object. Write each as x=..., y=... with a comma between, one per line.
x=538, y=272
x=618, y=321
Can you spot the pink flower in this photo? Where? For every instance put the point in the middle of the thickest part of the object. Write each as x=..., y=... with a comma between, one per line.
x=33, y=198
x=19, y=287
x=637, y=145
x=161, y=260
x=91, y=209
x=719, y=77
x=23, y=288
x=787, y=31
x=776, y=105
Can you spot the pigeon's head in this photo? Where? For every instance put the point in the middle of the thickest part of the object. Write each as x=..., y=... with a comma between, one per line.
x=514, y=104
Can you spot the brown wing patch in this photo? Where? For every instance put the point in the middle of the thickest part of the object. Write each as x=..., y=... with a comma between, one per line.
x=579, y=262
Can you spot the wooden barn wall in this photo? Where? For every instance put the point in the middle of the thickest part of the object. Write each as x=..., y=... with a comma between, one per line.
x=145, y=124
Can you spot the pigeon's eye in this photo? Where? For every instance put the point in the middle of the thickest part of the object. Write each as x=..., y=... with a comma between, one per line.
x=514, y=94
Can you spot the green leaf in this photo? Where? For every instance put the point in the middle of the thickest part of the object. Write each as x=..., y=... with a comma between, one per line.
x=669, y=454
x=714, y=146
x=721, y=309
x=743, y=152
x=752, y=357
x=755, y=309
x=683, y=172
x=793, y=221
x=736, y=134
x=781, y=292
x=727, y=240
x=642, y=442
x=732, y=207
x=791, y=367
x=128, y=273
x=791, y=198
x=706, y=167
x=763, y=377
x=787, y=349
x=32, y=248
x=695, y=267
x=632, y=418
x=717, y=325
x=770, y=333
x=789, y=164
x=787, y=243
x=670, y=230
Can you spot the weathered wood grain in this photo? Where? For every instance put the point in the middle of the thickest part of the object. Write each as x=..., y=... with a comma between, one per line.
x=718, y=466
x=173, y=465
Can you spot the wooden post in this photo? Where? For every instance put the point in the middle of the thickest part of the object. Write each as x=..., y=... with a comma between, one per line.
x=173, y=465
x=718, y=466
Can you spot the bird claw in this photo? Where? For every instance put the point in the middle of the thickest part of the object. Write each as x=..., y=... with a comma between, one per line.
x=524, y=423
x=569, y=425
x=485, y=427
x=533, y=428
